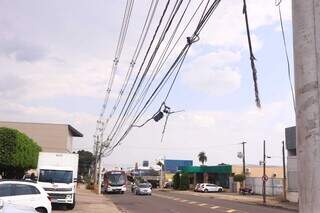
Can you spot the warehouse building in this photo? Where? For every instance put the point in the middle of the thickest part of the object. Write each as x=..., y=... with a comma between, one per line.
x=51, y=137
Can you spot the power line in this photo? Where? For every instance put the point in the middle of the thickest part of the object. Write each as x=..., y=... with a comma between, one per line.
x=190, y=40
x=177, y=62
x=126, y=107
x=119, y=48
x=286, y=53
x=160, y=63
x=144, y=32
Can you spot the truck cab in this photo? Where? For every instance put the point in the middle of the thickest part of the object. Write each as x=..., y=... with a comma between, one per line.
x=57, y=174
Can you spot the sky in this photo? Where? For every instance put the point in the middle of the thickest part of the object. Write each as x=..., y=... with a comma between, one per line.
x=56, y=57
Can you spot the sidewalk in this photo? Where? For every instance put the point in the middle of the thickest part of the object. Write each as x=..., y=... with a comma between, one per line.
x=248, y=199
x=88, y=201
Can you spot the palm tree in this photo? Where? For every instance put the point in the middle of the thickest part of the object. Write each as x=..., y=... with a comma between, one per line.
x=202, y=157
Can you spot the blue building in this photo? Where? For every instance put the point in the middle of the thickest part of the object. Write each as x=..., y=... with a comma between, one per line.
x=173, y=166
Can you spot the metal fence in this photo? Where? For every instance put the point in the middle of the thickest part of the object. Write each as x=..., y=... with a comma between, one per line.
x=274, y=186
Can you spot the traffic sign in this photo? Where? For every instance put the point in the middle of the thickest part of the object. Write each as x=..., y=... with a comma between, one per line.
x=264, y=178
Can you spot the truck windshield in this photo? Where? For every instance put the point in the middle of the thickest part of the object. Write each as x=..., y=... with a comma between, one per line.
x=55, y=176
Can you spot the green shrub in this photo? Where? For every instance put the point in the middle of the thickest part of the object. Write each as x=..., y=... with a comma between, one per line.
x=184, y=182
x=239, y=178
x=176, y=181
x=18, y=153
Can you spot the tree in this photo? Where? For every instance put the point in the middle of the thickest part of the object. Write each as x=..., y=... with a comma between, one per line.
x=18, y=153
x=202, y=157
x=86, y=160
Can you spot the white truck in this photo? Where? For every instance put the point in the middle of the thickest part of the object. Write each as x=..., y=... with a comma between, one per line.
x=57, y=174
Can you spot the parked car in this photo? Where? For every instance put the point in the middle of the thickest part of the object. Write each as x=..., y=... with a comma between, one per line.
x=11, y=208
x=25, y=193
x=209, y=187
x=143, y=189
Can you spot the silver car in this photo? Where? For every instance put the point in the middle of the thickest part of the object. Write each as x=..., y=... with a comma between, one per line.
x=143, y=189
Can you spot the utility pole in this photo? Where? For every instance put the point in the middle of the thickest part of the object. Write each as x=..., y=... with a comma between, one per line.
x=264, y=173
x=95, y=160
x=284, y=173
x=306, y=40
x=243, y=158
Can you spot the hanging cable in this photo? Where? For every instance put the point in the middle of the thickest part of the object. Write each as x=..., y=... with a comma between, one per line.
x=124, y=115
x=278, y=3
x=160, y=62
x=190, y=40
x=252, y=58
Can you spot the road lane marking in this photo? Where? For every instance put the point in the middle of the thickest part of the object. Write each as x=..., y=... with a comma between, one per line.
x=223, y=209
x=192, y=202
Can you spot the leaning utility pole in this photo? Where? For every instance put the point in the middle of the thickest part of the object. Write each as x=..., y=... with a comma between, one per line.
x=284, y=173
x=306, y=40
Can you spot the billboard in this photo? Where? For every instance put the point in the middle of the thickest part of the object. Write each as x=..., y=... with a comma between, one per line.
x=173, y=165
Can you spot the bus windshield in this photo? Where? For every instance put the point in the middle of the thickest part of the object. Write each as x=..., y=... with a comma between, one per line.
x=55, y=176
x=116, y=178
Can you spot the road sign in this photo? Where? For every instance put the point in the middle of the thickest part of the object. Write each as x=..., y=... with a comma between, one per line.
x=264, y=178
x=240, y=155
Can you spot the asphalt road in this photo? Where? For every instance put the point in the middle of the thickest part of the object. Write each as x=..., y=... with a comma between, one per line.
x=165, y=202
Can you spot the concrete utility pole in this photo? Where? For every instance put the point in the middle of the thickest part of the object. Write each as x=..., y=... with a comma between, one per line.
x=284, y=173
x=306, y=40
x=264, y=173
x=243, y=159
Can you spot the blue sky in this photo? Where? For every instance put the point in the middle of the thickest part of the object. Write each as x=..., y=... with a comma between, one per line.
x=56, y=57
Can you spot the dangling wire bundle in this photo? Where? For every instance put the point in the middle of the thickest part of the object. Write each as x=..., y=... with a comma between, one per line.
x=252, y=58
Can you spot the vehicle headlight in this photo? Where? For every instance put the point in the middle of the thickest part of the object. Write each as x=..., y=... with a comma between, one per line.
x=69, y=196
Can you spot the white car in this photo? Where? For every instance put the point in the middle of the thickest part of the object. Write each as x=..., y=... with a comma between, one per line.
x=23, y=193
x=209, y=187
x=10, y=208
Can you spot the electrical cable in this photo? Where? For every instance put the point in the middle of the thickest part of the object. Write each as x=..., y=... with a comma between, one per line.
x=135, y=56
x=160, y=63
x=174, y=11
x=252, y=58
x=190, y=41
x=196, y=38
x=286, y=53
x=119, y=48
